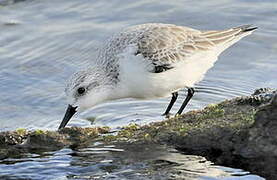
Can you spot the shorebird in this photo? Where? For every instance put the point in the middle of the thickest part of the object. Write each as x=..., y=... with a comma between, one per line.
x=149, y=61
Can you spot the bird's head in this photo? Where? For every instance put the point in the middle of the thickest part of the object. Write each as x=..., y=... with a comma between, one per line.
x=84, y=90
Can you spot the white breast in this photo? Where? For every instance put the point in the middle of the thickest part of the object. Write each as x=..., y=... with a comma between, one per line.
x=190, y=62
x=137, y=82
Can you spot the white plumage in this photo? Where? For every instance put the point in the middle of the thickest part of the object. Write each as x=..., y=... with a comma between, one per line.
x=188, y=52
x=150, y=61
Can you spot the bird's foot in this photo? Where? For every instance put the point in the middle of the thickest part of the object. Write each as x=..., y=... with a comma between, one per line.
x=168, y=115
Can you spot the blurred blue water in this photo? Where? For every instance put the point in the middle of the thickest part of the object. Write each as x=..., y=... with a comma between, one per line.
x=42, y=42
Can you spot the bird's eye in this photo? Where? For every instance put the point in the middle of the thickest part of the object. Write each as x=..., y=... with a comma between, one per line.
x=81, y=90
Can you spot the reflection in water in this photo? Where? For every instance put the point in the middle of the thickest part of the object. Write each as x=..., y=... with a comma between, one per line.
x=42, y=42
x=148, y=161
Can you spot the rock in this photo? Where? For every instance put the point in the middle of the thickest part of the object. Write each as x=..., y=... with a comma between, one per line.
x=263, y=135
x=240, y=133
x=15, y=144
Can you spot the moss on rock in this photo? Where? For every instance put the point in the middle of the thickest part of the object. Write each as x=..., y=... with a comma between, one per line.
x=14, y=144
x=240, y=132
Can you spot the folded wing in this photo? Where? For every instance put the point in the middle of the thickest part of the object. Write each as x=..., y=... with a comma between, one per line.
x=166, y=45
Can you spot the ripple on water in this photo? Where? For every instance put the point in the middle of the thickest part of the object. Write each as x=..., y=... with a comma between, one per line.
x=116, y=162
x=43, y=42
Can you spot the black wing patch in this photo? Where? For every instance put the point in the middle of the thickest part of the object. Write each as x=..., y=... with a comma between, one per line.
x=157, y=68
x=161, y=68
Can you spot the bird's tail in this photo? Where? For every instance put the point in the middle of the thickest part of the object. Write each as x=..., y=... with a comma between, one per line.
x=226, y=38
x=245, y=29
x=240, y=32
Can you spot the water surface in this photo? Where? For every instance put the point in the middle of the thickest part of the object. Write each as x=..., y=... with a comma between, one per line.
x=43, y=42
x=148, y=161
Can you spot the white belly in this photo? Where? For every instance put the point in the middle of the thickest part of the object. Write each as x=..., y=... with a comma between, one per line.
x=138, y=82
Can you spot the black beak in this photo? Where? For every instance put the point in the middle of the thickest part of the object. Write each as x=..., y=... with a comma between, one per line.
x=69, y=113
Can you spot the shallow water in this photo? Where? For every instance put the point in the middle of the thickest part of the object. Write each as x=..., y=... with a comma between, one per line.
x=111, y=162
x=42, y=42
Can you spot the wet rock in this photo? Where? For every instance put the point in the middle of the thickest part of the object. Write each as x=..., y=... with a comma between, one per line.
x=16, y=143
x=260, y=96
x=263, y=135
x=240, y=133
x=260, y=149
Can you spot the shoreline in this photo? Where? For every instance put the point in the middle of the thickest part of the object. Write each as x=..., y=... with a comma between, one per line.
x=239, y=133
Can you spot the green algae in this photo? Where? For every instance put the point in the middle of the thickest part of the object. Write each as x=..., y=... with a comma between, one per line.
x=109, y=138
x=213, y=111
x=21, y=131
x=227, y=115
x=39, y=132
x=227, y=132
x=128, y=131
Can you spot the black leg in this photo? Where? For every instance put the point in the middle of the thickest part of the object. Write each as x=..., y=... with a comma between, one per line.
x=189, y=96
x=172, y=101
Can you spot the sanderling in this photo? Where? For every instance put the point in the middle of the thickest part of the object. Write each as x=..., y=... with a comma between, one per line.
x=149, y=61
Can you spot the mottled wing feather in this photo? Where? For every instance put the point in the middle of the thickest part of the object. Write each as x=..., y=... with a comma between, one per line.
x=166, y=45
